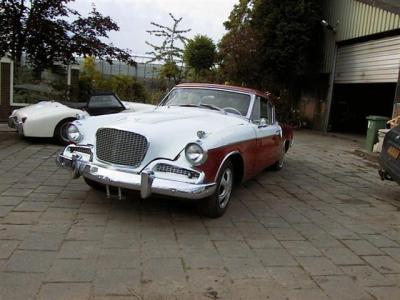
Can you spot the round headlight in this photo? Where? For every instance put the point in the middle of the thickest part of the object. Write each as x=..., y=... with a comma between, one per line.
x=73, y=134
x=195, y=154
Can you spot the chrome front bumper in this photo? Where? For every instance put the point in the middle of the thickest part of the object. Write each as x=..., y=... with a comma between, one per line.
x=145, y=181
x=13, y=123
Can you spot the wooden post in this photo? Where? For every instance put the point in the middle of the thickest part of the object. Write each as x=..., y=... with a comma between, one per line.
x=6, y=86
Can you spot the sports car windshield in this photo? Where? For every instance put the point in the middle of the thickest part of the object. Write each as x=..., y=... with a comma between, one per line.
x=230, y=102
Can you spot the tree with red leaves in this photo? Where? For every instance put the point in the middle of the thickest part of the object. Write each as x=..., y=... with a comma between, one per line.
x=48, y=31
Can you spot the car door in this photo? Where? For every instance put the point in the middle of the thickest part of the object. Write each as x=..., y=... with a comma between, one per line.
x=104, y=104
x=268, y=133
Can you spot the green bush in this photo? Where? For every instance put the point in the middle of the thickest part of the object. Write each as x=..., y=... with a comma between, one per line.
x=126, y=87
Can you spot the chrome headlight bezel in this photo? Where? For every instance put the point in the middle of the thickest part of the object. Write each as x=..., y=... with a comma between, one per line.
x=196, y=154
x=73, y=133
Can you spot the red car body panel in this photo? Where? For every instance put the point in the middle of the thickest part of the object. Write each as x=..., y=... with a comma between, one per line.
x=257, y=154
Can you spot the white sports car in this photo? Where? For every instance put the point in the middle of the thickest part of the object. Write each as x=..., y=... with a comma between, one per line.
x=50, y=119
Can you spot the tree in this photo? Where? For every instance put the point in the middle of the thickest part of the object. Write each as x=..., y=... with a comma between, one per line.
x=169, y=52
x=239, y=49
x=170, y=71
x=240, y=15
x=271, y=43
x=200, y=53
x=290, y=43
x=47, y=31
x=239, y=52
x=89, y=78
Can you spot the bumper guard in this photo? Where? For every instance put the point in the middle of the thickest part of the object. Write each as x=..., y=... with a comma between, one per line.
x=13, y=123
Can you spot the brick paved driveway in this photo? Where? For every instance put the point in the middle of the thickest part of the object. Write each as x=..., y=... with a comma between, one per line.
x=325, y=227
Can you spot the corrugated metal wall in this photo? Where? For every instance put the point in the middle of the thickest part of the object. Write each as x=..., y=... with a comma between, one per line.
x=356, y=19
x=369, y=62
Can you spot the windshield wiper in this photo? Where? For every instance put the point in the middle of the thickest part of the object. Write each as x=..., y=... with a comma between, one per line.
x=211, y=107
x=186, y=105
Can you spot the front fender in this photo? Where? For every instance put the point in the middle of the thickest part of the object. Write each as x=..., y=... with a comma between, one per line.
x=44, y=126
x=216, y=157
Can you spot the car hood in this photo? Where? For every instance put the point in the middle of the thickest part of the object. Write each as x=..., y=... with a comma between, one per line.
x=39, y=109
x=168, y=130
x=137, y=106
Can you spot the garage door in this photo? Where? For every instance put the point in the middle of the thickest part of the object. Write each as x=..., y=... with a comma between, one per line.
x=369, y=62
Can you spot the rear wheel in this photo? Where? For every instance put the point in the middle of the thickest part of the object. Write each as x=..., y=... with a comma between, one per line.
x=280, y=163
x=216, y=205
x=60, y=133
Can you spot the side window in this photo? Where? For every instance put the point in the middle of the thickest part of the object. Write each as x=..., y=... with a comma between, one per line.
x=264, y=111
x=271, y=113
x=255, y=114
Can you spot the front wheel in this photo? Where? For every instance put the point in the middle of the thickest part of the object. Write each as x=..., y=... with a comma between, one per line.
x=60, y=133
x=216, y=205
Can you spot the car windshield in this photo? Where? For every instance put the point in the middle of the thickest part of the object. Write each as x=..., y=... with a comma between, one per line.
x=231, y=102
x=103, y=101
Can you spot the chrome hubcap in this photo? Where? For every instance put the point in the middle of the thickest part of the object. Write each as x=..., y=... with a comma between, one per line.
x=63, y=132
x=225, y=188
x=282, y=160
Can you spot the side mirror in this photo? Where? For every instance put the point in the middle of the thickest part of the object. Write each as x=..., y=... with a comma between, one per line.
x=263, y=123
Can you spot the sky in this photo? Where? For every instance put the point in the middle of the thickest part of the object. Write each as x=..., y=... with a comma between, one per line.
x=134, y=17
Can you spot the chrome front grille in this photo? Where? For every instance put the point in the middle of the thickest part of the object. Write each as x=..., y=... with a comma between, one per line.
x=172, y=169
x=120, y=147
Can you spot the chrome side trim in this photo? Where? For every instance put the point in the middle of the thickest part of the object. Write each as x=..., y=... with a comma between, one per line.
x=223, y=161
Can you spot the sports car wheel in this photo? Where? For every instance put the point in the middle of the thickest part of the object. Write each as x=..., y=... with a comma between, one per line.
x=216, y=205
x=60, y=133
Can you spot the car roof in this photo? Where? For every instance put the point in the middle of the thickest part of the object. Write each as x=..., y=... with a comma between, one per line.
x=224, y=87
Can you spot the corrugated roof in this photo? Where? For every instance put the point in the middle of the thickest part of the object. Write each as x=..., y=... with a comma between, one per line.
x=389, y=5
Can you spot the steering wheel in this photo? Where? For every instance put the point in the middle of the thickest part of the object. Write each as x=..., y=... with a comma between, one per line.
x=234, y=110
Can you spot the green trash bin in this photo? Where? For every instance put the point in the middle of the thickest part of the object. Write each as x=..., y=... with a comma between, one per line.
x=374, y=124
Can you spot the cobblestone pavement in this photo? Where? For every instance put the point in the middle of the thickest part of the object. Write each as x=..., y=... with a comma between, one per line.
x=325, y=227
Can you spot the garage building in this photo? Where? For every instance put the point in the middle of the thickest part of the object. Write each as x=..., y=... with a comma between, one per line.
x=361, y=63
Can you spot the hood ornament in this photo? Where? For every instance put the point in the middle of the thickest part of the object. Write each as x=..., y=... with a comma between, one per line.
x=201, y=134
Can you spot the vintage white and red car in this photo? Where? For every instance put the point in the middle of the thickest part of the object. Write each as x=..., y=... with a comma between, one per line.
x=199, y=142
